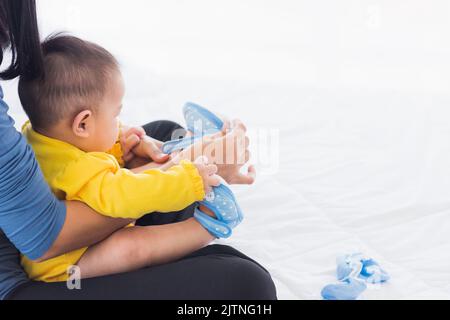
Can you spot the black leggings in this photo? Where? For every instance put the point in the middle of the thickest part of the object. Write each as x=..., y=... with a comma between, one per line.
x=213, y=273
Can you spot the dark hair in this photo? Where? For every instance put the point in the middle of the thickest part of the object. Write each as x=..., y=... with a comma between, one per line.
x=19, y=32
x=75, y=77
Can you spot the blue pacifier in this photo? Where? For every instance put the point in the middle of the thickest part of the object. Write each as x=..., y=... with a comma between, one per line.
x=222, y=202
x=200, y=122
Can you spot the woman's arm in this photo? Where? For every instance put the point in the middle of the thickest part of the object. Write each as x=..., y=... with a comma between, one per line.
x=135, y=248
x=145, y=165
x=38, y=224
x=83, y=227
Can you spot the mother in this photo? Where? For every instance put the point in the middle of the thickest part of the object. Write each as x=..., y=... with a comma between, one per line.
x=39, y=226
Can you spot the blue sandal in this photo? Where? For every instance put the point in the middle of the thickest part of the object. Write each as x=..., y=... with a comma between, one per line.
x=200, y=122
x=223, y=204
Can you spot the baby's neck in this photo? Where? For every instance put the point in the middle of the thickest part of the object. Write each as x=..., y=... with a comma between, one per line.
x=61, y=133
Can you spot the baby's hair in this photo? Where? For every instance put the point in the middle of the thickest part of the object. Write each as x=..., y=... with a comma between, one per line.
x=76, y=75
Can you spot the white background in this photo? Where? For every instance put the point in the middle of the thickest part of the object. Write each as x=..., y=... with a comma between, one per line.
x=359, y=91
x=398, y=46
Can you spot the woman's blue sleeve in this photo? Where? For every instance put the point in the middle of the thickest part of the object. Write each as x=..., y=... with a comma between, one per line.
x=30, y=215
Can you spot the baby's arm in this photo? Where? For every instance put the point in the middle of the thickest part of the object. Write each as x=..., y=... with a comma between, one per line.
x=98, y=181
x=149, y=148
x=138, y=247
x=145, y=165
x=152, y=165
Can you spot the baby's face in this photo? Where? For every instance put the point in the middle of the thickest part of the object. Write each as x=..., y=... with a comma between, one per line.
x=107, y=115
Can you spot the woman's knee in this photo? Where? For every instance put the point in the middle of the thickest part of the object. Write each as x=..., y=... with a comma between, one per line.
x=164, y=130
x=248, y=281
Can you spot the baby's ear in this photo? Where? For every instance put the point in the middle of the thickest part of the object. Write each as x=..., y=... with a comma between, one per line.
x=82, y=124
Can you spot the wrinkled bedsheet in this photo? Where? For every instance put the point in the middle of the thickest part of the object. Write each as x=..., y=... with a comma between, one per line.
x=348, y=107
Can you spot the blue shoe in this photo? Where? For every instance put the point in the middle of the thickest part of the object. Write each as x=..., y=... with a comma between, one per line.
x=349, y=266
x=353, y=272
x=200, y=122
x=179, y=144
x=373, y=273
x=361, y=266
x=223, y=204
x=349, y=289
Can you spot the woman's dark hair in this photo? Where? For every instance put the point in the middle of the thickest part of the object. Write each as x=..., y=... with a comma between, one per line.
x=19, y=32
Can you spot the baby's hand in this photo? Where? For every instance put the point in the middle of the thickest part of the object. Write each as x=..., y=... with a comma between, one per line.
x=136, y=144
x=208, y=172
x=130, y=137
x=151, y=149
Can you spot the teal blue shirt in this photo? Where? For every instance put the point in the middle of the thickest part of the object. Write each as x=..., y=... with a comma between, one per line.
x=30, y=215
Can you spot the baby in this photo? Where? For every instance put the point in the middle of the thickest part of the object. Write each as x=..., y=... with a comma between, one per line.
x=74, y=131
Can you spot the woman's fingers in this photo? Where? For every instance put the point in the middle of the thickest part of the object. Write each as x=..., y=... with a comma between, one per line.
x=202, y=160
x=248, y=178
x=226, y=126
x=247, y=156
x=153, y=150
x=239, y=125
x=158, y=143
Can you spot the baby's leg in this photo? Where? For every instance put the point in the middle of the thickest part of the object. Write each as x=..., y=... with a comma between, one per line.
x=137, y=247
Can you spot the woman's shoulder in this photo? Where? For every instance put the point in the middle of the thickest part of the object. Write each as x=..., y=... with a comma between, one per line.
x=9, y=137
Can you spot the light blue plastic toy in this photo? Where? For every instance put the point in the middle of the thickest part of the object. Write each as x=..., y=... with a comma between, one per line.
x=354, y=271
x=228, y=213
x=200, y=122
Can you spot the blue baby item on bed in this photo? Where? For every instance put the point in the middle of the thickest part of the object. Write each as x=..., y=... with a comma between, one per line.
x=349, y=289
x=229, y=215
x=372, y=272
x=353, y=272
x=200, y=122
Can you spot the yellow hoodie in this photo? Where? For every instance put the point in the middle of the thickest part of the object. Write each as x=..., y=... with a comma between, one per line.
x=97, y=179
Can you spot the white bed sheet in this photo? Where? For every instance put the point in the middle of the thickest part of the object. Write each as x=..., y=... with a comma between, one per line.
x=358, y=171
x=359, y=93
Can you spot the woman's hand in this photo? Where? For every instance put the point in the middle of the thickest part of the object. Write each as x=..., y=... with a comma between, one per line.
x=231, y=153
x=228, y=150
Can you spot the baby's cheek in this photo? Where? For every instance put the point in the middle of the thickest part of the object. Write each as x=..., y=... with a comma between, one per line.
x=110, y=138
x=117, y=131
x=115, y=136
